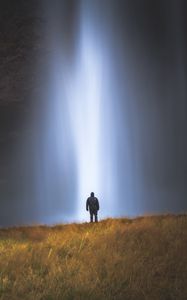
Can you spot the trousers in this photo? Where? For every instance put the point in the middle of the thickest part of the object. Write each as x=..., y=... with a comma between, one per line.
x=93, y=213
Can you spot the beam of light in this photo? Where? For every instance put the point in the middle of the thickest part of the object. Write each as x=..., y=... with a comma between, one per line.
x=91, y=117
x=77, y=132
x=84, y=92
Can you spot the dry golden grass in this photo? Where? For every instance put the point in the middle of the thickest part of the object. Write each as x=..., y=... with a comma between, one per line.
x=142, y=258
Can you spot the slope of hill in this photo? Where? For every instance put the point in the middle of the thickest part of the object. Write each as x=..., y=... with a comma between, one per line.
x=142, y=258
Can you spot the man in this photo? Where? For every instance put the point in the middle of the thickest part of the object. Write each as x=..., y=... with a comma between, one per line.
x=92, y=204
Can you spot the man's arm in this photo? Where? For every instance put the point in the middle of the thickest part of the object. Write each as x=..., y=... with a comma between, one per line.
x=87, y=204
x=97, y=204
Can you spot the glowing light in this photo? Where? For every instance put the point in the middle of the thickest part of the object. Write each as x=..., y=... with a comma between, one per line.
x=84, y=99
x=77, y=137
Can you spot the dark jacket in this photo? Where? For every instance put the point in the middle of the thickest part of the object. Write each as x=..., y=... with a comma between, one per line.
x=92, y=204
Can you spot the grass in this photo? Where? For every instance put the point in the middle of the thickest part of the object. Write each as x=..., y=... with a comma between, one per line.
x=141, y=258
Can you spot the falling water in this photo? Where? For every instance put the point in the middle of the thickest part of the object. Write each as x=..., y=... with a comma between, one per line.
x=78, y=123
x=85, y=92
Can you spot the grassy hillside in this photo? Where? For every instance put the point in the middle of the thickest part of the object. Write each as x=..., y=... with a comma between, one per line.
x=143, y=258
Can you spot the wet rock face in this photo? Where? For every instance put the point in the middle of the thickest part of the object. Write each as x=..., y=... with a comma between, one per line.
x=19, y=54
x=17, y=51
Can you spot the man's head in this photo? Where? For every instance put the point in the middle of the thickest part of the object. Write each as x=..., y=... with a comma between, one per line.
x=92, y=194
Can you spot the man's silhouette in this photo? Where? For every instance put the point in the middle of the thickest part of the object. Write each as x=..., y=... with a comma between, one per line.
x=92, y=204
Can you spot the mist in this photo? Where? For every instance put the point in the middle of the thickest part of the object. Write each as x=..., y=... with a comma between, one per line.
x=107, y=113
